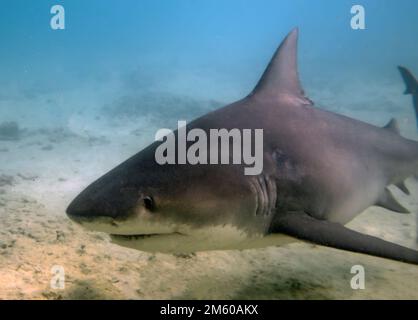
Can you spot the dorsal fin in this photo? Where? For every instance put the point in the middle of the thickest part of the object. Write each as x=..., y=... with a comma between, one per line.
x=281, y=75
x=393, y=126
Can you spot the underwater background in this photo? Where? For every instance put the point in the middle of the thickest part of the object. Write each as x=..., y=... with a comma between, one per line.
x=76, y=102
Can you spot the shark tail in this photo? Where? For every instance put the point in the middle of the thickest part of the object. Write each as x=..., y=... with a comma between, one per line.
x=410, y=81
x=411, y=87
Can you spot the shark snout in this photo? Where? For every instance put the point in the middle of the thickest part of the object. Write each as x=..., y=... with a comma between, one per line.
x=98, y=201
x=84, y=209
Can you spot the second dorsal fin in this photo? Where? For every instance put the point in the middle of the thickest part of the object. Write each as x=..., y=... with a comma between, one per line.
x=281, y=76
x=393, y=126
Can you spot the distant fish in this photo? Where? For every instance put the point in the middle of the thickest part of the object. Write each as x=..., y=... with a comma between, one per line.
x=320, y=171
x=411, y=87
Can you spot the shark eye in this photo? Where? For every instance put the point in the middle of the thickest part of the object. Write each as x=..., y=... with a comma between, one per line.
x=148, y=203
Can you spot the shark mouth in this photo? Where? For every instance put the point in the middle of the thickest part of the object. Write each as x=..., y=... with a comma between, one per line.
x=142, y=236
x=169, y=242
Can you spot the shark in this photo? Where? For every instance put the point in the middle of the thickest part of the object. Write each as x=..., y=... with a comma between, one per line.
x=320, y=171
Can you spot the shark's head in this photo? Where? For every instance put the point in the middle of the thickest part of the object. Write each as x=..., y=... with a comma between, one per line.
x=171, y=208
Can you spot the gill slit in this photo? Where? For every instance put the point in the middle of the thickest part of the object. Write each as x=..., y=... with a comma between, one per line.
x=265, y=191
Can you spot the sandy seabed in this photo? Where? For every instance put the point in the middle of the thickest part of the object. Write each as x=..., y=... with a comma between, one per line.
x=45, y=168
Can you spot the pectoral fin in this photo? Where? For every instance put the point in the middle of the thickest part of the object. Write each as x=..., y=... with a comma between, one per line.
x=303, y=226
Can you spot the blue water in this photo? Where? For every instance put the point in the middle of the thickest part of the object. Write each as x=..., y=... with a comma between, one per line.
x=235, y=38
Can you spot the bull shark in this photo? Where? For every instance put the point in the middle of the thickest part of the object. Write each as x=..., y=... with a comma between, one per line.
x=320, y=170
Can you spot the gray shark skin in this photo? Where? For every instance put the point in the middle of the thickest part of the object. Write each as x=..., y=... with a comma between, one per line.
x=320, y=171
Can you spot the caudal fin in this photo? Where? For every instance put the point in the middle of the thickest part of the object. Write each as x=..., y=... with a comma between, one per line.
x=410, y=81
x=411, y=87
